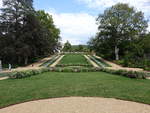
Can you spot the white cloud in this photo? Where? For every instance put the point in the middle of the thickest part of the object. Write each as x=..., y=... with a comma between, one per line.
x=1, y=3
x=140, y=5
x=143, y=5
x=75, y=27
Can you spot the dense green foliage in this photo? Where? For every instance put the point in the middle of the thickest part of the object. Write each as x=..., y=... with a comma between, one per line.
x=76, y=69
x=80, y=48
x=25, y=34
x=90, y=84
x=67, y=47
x=74, y=48
x=122, y=36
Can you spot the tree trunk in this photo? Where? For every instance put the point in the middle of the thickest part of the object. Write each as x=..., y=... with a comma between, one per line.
x=19, y=60
x=116, y=53
x=0, y=65
x=26, y=61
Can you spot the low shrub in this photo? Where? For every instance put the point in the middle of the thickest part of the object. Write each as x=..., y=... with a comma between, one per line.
x=147, y=68
x=29, y=73
x=66, y=65
x=24, y=74
x=130, y=74
x=74, y=69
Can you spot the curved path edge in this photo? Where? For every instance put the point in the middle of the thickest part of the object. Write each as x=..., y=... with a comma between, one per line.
x=78, y=105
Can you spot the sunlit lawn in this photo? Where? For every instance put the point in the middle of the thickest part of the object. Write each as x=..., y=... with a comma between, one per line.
x=90, y=84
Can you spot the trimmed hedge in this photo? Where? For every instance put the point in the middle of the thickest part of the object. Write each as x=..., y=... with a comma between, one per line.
x=65, y=65
x=130, y=74
x=29, y=73
x=75, y=69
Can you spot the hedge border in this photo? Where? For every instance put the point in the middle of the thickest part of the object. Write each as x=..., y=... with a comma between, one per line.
x=29, y=73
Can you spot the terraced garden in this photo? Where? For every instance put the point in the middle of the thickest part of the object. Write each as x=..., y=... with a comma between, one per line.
x=74, y=60
x=47, y=82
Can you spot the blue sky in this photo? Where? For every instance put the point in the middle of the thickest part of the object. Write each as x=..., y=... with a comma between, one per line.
x=64, y=6
x=77, y=18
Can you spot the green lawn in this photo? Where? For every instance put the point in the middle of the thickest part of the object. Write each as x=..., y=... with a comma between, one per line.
x=90, y=84
x=74, y=59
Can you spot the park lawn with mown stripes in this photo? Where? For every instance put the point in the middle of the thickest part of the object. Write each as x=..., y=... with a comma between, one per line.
x=86, y=84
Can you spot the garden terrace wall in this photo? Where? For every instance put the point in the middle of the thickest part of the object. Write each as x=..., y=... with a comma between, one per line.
x=51, y=61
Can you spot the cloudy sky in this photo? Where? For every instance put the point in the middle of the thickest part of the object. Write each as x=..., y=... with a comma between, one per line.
x=76, y=18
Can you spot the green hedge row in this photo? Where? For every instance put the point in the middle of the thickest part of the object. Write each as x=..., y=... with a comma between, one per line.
x=65, y=65
x=29, y=73
x=79, y=69
x=130, y=74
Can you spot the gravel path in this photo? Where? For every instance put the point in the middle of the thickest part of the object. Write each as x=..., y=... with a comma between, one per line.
x=93, y=63
x=35, y=65
x=3, y=78
x=78, y=105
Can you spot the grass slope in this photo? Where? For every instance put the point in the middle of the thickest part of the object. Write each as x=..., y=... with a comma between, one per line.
x=91, y=84
x=74, y=59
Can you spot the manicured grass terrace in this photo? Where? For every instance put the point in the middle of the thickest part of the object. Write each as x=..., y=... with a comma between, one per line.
x=74, y=59
x=88, y=84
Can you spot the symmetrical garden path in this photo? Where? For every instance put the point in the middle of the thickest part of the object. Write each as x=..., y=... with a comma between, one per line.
x=78, y=105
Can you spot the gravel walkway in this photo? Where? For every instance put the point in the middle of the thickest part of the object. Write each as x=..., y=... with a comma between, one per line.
x=78, y=105
x=3, y=78
x=33, y=66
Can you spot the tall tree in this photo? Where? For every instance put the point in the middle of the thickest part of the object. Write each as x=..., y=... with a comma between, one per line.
x=52, y=34
x=12, y=20
x=25, y=34
x=120, y=23
x=67, y=47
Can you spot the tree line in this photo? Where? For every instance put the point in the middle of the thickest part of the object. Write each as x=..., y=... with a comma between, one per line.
x=26, y=34
x=123, y=36
x=74, y=48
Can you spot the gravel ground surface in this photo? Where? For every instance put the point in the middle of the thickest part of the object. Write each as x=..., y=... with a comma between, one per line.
x=78, y=105
x=4, y=78
x=35, y=65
